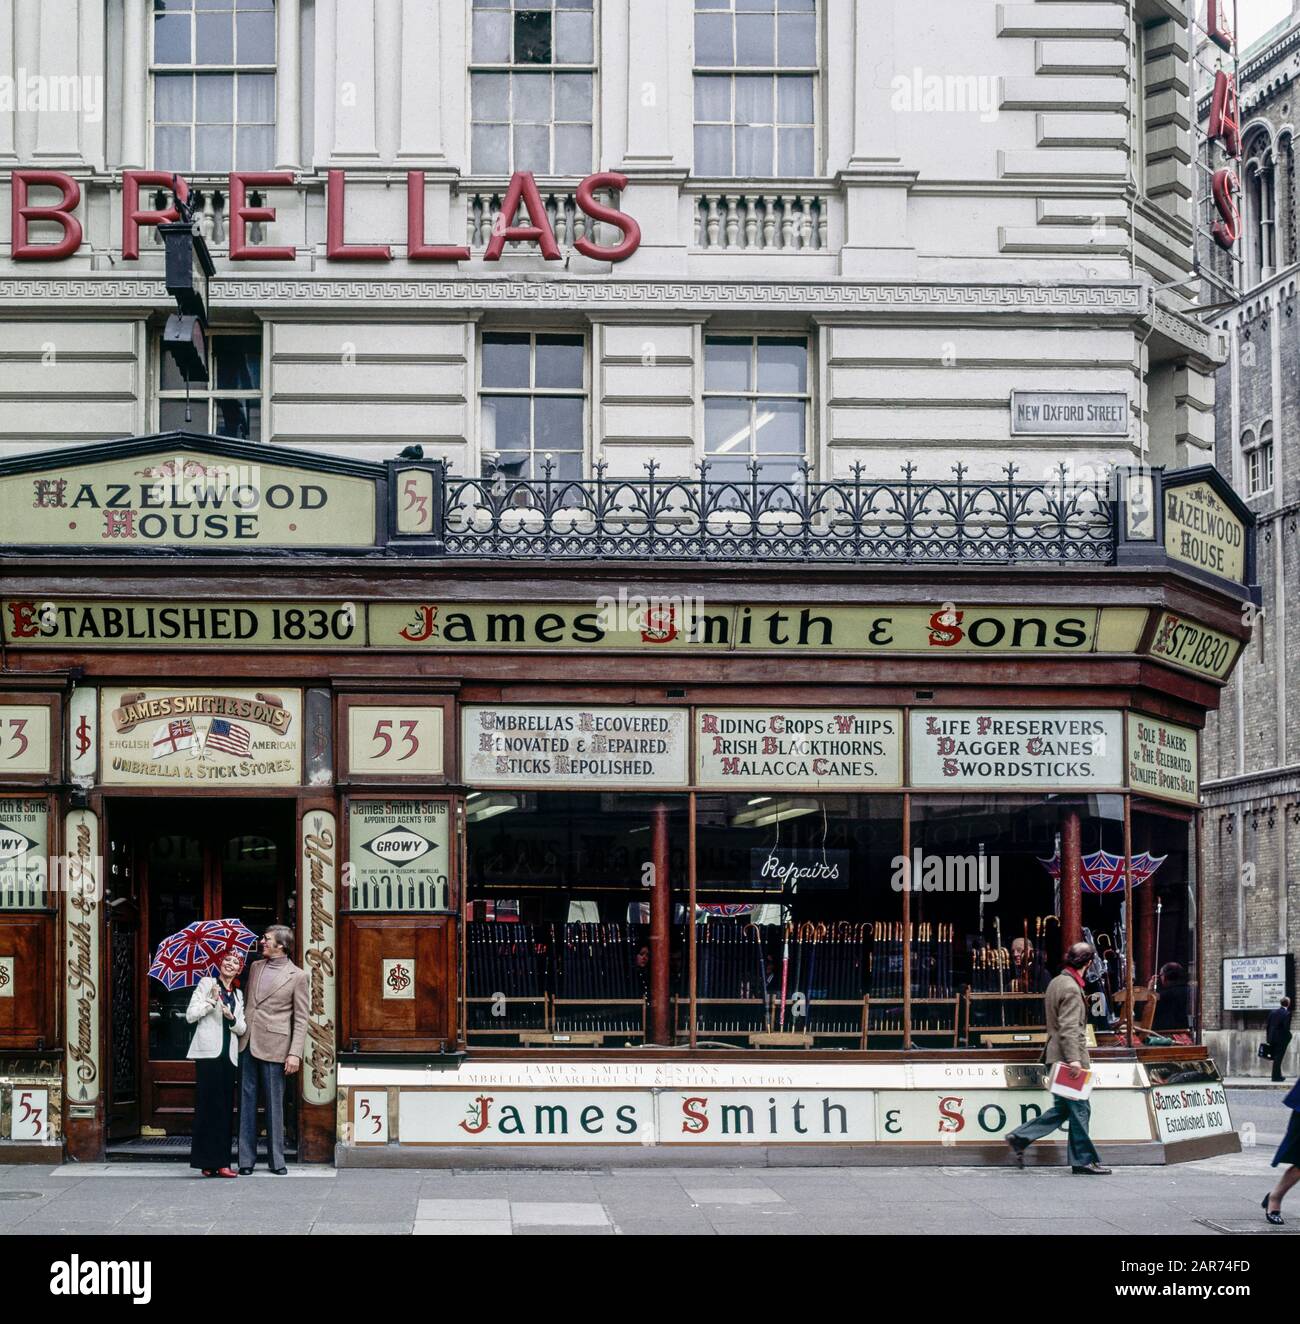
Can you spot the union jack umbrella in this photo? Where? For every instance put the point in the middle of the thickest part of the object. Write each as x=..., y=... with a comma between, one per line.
x=1104, y=873
x=195, y=952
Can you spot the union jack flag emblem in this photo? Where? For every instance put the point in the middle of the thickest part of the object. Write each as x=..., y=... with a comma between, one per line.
x=174, y=738
x=1103, y=873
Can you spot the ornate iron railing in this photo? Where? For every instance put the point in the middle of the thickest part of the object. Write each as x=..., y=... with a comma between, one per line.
x=855, y=520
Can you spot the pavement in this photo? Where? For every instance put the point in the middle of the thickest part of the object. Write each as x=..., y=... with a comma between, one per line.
x=1214, y=1197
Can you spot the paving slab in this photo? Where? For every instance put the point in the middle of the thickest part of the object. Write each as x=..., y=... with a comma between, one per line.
x=744, y=1195
x=463, y=1211
x=444, y=1228
x=558, y=1214
x=362, y=1229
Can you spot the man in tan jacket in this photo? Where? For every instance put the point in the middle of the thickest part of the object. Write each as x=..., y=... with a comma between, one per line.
x=271, y=1048
x=1067, y=1041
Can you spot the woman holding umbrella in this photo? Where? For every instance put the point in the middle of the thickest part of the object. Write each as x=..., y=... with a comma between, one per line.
x=217, y=1013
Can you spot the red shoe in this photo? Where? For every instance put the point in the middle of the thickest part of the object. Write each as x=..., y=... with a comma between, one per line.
x=226, y=1172
x=207, y=1172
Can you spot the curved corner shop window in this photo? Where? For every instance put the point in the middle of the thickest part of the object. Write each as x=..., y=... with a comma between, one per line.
x=799, y=936
x=229, y=403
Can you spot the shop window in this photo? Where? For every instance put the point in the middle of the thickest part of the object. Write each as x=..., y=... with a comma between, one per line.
x=799, y=929
x=1005, y=933
x=756, y=71
x=229, y=403
x=756, y=403
x=532, y=87
x=559, y=941
x=213, y=71
x=533, y=405
x=1166, y=959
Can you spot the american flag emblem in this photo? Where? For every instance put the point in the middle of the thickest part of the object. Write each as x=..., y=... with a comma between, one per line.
x=228, y=737
x=174, y=738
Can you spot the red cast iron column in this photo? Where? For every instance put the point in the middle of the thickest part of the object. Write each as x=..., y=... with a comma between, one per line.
x=1071, y=895
x=661, y=930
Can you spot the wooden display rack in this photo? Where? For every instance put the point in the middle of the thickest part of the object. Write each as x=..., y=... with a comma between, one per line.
x=539, y=1001
x=858, y=1036
x=1035, y=1027
x=948, y=1037
x=744, y=1032
x=595, y=1038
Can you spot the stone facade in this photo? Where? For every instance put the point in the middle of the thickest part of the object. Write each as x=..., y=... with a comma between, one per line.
x=967, y=229
x=1251, y=753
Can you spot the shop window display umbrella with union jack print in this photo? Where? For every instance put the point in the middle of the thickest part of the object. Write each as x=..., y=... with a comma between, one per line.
x=1103, y=873
x=194, y=953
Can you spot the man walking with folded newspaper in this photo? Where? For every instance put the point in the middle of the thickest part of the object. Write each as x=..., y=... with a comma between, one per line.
x=1067, y=1021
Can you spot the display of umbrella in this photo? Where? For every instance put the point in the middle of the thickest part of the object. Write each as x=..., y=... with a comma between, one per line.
x=193, y=953
x=1103, y=873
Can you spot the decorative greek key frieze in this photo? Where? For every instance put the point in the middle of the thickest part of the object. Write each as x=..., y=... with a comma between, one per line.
x=1121, y=300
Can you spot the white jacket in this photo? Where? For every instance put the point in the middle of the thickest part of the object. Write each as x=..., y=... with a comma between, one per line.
x=207, y=1034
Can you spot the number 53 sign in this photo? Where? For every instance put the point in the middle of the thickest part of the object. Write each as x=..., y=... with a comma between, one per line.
x=29, y=1115
x=395, y=741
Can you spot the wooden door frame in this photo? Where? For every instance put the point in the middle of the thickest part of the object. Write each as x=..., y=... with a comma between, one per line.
x=209, y=830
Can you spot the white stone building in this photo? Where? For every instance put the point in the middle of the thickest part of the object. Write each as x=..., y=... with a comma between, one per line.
x=922, y=206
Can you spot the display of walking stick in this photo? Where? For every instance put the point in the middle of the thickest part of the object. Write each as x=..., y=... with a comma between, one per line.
x=1160, y=905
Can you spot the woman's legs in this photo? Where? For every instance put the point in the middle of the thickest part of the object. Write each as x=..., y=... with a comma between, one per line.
x=214, y=1090
x=1285, y=1183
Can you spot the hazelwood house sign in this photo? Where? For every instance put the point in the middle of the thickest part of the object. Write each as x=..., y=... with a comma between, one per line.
x=186, y=500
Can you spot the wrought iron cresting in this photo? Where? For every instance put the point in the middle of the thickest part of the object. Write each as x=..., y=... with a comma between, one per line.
x=850, y=520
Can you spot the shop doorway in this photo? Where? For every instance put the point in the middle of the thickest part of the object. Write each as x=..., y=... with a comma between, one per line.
x=175, y=862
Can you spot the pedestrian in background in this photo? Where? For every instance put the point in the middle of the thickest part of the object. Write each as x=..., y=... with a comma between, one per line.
x=1288, y=1152
x=1067, y=1021
x=1278, y=1035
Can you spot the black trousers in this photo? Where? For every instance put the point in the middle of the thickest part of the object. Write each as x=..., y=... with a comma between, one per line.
x=213, y=1113
x=1279, y=1047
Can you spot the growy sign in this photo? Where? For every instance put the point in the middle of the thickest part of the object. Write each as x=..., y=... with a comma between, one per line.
x=185, y=500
